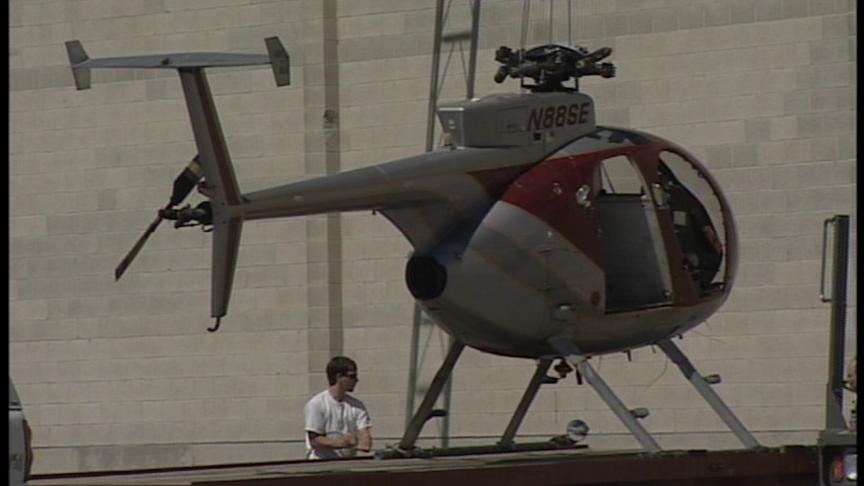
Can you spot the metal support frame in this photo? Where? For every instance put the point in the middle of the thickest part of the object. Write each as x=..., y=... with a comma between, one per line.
x=472, y=56
x=422, y=414
x=704, y=388
x=437, y=81
x=528, y=397
x=448, y=393
x=573, y=356
x=834, y=418
x=435, y=84
x=412, y=365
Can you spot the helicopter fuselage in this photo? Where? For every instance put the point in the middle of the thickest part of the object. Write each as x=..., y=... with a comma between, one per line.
x=536, y=233
x=517, y=239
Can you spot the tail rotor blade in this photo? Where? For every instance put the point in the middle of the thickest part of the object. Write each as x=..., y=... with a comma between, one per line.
x=127, y=260
x=183, y=185
x=186, y=181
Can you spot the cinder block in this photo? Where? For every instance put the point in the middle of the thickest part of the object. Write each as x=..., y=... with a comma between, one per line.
x=744, y=155
x=842, y=173
x=28, y=226
x=832, y=99
x=830, y=51
x=691, y=16
x=717, y=13
x=775, y=9
x=823, y=149
x=663, y=19
x=639, y=22
x=783, y=128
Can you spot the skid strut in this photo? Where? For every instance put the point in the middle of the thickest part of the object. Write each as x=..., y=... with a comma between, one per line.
x=527, y=398
x=572, y=354
x=423, y=413
x=406, y=448
x=708, y=393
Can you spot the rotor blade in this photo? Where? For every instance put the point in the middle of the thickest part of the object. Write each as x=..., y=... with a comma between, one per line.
x=183, y=185
x=118, y=272
x=186, y=180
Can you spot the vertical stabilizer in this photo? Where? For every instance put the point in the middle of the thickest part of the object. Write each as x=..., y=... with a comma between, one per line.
x=221, y=185
x=226, y=243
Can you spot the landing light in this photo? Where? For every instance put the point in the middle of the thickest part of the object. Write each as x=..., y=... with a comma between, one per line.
x=844, y=467
x=850, y=465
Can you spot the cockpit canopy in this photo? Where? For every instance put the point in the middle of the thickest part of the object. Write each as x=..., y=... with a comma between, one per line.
x=666, y=228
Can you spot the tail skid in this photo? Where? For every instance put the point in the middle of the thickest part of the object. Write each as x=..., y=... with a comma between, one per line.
x=221, y=183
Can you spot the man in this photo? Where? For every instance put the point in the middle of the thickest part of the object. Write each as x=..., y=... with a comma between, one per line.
x=337, y=424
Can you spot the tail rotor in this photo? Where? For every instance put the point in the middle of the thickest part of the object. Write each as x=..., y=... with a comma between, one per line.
x=211, y=170
x=191, y=175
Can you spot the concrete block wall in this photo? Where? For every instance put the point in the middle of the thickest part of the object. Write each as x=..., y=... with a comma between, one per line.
x=122, y=375
x=116, y=374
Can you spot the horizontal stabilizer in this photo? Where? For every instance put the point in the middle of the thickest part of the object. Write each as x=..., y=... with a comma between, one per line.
x=176, y=61
x=81, y=63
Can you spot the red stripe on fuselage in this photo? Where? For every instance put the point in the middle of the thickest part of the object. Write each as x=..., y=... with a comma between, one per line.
x=548, y=191
x=497, y=181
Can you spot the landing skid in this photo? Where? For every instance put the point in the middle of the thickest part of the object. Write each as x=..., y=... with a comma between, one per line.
x=407, y=448
x=570, y=352
x=629, y=417
x=554, y=444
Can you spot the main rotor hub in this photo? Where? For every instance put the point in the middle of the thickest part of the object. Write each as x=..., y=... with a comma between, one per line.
x=551, y=65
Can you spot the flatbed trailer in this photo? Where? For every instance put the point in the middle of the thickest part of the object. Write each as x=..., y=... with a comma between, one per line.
x=788, y=465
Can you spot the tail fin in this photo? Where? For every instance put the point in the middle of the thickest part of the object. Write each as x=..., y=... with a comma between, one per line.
x=279, y=60
x=226, y=242
x=78, y=55
x=221, y=183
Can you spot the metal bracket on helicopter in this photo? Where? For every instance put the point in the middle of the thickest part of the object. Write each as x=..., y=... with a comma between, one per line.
x=190, y=177
x=187, y=216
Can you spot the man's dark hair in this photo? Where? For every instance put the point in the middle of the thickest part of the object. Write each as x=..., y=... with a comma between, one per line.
x=339, y=365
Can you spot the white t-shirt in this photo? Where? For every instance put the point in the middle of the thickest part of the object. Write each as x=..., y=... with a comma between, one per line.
x=326, y=416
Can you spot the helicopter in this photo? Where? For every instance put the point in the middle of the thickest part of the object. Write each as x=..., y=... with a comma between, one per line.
x=535, y=232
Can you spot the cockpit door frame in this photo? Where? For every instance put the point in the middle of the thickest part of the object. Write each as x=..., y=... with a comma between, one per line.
x=683, y=289
x=637, y=158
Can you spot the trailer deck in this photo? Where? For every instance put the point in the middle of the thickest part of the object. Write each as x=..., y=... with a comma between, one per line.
x=789, y=465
